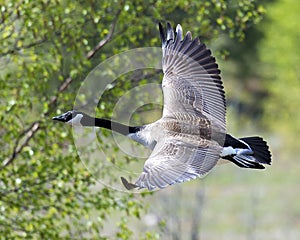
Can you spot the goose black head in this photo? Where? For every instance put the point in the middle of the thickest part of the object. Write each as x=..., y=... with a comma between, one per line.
x=71, y=117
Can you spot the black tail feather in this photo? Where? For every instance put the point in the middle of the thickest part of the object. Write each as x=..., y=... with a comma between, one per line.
x=245, y=161
x=260, y=148
x=261, y=154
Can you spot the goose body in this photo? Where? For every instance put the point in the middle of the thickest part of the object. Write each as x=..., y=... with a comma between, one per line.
x=190, y=138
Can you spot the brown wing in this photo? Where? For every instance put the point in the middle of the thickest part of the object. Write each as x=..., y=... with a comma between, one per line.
x=192, y=81
x=175, y=161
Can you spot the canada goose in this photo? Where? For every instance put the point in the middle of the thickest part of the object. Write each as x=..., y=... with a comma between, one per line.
x=190, y=138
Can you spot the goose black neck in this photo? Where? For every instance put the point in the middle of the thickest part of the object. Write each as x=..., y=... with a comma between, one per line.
x=111, y=125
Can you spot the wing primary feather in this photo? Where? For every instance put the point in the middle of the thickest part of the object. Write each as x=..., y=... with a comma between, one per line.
x=170, y=32
x=188, y=36
x=128, y=185
x=178, y=37
x=184, y=43
x=162, y=34
x=205, y=53
x=197, y=50
x=192, y=45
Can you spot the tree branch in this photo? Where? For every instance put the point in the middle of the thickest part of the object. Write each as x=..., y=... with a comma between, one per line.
x=15, y=49
x=29, y=133
x=108, y=37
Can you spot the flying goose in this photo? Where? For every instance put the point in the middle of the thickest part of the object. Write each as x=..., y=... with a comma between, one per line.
x=190, y=138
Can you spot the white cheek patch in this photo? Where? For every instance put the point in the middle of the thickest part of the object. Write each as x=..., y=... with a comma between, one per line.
x=76, y=120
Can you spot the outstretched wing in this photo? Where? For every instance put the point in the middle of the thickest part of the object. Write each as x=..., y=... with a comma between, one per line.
x=193, y=114
x=175, y=161
x=192, y=82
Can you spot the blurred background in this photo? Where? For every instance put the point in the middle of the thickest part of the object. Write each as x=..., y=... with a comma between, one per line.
x=47, y=49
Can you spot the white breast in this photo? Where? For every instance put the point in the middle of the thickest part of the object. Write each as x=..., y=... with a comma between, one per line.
x=147, y=136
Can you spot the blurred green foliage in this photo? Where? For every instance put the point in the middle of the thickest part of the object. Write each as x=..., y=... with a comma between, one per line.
x=280, y=55
x=47, y=48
